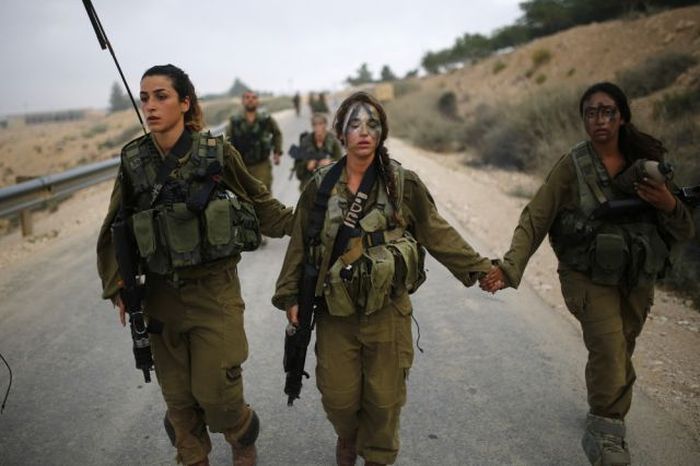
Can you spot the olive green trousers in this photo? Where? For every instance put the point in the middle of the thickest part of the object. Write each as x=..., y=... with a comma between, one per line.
x=611, y=321
x=263, y=172
x=362, y=365
x=198, y=358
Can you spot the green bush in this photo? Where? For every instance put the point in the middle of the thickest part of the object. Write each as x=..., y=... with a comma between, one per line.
x=540, y=57
x=95, y=130
x=673, y=106
x=416, y=117
x=403, y=87
x=447, y=105
x=530, y=135
x=122, y=138
x=498, y=67
x=541, y=78
x=655, y=74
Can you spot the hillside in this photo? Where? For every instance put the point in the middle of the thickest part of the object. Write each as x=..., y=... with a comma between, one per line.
x=578, y=57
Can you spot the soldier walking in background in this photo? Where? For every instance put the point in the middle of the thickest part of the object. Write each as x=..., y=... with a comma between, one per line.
x=318, y=148
x=297, y=103
x=609, y=258
x=255, y=135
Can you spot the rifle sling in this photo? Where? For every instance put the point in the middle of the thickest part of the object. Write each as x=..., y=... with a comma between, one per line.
x=169, y=164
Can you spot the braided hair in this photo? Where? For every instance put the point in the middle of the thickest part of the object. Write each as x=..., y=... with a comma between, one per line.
x=633, y=144
x=194, y=118
x=384, y=166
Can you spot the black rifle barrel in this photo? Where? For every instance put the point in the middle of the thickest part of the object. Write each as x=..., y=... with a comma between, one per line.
x=104, y=43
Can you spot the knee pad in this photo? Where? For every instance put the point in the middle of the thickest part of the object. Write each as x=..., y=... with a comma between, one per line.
x=251, y=433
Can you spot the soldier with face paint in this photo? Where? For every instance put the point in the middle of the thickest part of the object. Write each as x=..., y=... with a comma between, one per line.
x=368, y=245
x=607, y=266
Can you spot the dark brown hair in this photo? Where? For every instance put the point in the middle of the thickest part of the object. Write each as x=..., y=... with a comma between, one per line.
x=633, y=144
x=382, y=159
x=194, y=119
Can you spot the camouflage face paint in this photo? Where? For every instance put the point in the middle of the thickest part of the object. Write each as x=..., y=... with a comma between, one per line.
x=361, y=118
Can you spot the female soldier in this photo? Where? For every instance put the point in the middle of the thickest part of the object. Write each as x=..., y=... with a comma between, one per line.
x=319, y=147
x=369, y=255
x=607, y=263
x=193, y=208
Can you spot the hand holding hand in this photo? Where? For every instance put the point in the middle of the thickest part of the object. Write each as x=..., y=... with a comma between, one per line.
x=657, y=194
x=493, y=281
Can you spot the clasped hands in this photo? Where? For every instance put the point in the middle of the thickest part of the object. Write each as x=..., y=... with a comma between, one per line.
x=493, y=281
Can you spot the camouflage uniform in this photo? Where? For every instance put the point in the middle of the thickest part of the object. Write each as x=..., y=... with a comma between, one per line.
x=330, y=149
x=254, y=141
x=364, y=346
x=607, y=270
x=198, y=355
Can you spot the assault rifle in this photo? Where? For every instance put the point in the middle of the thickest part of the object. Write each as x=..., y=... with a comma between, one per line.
x=689, y=195
x=132, y=293
x=296, y=339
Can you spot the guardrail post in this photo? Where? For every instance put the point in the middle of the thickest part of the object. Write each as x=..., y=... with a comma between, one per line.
x=25, y=216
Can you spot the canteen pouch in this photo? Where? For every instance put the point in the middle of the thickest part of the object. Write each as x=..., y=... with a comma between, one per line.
x=245, y=221
x=180, y=228
x=335, y=289
x=648, y=256
x=409, y=258
x=378, y=267
x=144, y=232
x=222, y=237
x=609, y=257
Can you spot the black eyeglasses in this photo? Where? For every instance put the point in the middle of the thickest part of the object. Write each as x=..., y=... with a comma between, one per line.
x=606, y=113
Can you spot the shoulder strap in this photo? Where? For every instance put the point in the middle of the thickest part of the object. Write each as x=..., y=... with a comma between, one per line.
x=354, y=213
x=586, y=174
x=169, y=163
x=318, y=211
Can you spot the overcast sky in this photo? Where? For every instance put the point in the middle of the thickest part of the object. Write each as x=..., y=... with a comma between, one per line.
x=51, y=59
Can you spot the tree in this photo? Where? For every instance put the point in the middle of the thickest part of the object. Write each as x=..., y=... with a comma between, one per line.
x=364, y=76
x=386, y=74
x=118, y=100
x=238, y=88
x=411, y=73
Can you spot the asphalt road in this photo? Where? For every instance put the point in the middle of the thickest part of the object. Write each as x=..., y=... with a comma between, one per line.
x=500, y=381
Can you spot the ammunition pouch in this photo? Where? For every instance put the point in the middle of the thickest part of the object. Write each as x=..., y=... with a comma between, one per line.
x=608, y=258
x=381, y=272
x=171, y=236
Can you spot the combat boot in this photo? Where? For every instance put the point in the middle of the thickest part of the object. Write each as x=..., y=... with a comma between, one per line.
x=604, y=442
x=204, y=462
x=244, y=455
x=345, y=451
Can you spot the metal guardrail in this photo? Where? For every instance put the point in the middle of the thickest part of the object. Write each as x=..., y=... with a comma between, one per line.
x=21, y=198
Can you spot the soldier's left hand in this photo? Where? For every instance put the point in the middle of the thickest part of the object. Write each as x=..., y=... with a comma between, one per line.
x=493, y=281
x=657, y=194
x=276, y=158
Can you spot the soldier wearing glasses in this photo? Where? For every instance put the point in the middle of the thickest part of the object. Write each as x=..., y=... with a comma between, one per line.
x=607, y=266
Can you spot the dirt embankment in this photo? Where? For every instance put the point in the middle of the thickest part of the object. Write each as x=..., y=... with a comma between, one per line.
x=575, y=58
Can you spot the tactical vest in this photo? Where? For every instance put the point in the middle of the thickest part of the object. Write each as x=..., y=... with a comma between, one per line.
x=382, y=260
x=169, y=234
x=253, y=142
x=627, y=250
x=308, y=142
